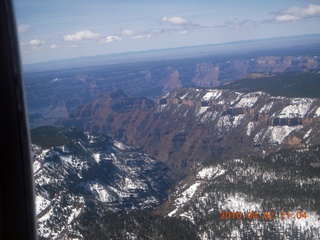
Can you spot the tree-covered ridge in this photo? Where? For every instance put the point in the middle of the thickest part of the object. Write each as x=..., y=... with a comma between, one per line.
x=137, y=225
x=286, y=181
x=286, y=84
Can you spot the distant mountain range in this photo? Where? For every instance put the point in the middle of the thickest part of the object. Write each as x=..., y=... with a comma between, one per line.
x=53, y=95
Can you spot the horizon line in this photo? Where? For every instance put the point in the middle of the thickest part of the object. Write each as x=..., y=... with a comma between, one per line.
x=164, y=49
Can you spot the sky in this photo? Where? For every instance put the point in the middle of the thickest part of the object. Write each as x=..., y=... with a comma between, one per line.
x=58, y=29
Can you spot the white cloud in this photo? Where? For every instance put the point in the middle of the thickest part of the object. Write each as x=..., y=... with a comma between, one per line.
x=237, y=23
x=22, y=28
x=36, y=42
x=175, y=20
x=81, y=35
x=297, y=13
x=72, y=46
x=128, y=32
x=137, y=37
x=111, y=38
x=286, y=18
x=54, y=46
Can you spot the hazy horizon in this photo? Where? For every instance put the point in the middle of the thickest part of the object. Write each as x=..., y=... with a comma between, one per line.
x=183, y=52
x=60, y=29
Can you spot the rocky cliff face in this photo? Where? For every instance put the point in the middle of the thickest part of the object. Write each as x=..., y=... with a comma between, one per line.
x=109, y=113
x=192, y=125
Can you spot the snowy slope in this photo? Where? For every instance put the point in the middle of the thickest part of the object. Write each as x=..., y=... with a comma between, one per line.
x=89, y=173
x=255, y=187
x=259, y=117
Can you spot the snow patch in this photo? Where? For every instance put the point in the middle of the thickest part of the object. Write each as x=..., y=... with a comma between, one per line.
x=248, y=100
x=103, y=194
x=224, y=122
x=74, y=213
x=212, y=95
x=237, y=203
x=120, y=145
x=188, y=215
x=275, y=134
x=66, y=159
x=227, y=122
x=298, y=107
x=201, y=110
x=250, y=128
x=41, y=203
x=317, y=113
x=209, y=116
x=161, y=108
x=237, y=120
x=46, y=216
x=307, y=134
x=184, y=96
x=266, y=108
x=185, y=197
x=209, y=172
x=130, y=185
x=36, y=166
x=239, y=95
x=96, y=157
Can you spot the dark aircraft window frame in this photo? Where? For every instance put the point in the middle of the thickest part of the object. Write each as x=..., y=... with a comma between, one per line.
x=17, y=206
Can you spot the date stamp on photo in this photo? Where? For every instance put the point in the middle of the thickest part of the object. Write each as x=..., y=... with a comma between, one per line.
x=266, y=215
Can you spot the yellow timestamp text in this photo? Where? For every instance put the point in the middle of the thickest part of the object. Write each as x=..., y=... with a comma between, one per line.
x=265, y=215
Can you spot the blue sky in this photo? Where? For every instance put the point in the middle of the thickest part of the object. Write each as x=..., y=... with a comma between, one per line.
x=56, y=29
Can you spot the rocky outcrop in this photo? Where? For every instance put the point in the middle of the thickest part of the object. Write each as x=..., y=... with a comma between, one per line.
x=285, y=121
